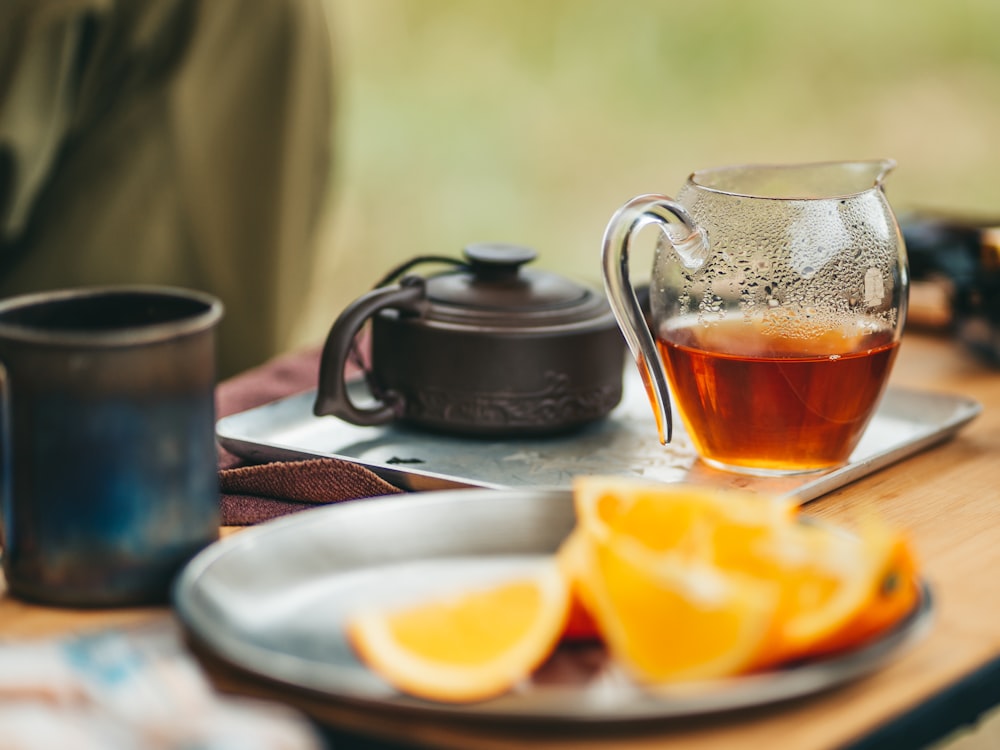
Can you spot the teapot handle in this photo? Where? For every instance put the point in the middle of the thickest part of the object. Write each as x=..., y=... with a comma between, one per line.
x=331, y=395
x=690, y=242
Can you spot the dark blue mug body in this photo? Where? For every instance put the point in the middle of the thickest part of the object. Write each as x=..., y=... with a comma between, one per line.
x=110, y=480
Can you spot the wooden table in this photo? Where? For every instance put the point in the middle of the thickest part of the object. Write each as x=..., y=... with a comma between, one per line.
x=949, y=499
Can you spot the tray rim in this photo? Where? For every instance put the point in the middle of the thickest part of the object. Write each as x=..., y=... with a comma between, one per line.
x=964, y=410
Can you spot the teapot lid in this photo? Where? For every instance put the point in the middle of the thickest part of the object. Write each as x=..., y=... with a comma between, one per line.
x=492, y=283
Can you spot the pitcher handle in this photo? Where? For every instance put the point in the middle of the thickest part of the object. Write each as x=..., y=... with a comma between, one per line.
x=690, y=242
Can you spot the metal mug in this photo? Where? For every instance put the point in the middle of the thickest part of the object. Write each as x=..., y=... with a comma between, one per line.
x=110, y=481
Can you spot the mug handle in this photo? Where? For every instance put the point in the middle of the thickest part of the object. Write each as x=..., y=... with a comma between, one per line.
x=690, y=242
x=332, y=397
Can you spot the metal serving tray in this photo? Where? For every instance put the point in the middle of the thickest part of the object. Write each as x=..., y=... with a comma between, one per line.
x=625, y=443
x=273, y=600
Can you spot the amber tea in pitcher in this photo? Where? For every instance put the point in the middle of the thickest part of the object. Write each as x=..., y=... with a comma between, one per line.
x=808, y=407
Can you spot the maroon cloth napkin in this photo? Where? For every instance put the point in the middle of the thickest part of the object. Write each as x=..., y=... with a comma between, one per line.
x=252, y=493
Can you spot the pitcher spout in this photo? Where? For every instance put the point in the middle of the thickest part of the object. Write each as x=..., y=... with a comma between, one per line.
x=877, y=170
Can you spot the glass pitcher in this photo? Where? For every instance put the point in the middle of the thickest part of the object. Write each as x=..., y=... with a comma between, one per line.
x=777, y=301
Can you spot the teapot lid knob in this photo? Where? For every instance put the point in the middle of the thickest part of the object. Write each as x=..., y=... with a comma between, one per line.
x=493, y=289
x=491, y=260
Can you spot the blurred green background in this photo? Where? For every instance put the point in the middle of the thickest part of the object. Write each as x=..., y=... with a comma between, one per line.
x=531, y=121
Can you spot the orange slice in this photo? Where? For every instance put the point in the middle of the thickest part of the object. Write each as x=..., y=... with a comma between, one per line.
x=832, y=589
x=821, y=575
x=893, y=591
x=669, y=620
x=686, y=519
x=469, y=646
x=827, y=581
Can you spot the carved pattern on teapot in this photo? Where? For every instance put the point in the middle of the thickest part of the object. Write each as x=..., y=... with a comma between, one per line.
x=554, y=404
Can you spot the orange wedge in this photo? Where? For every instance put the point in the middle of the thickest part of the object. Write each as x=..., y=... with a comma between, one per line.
x=469, y=646
x=831, y=589
x=892, y=592
x=685, y=519
x=669, y=620
x=835, y=588
x=822, y=577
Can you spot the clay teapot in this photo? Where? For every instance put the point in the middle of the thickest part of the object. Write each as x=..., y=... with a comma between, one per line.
x=486, y=347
